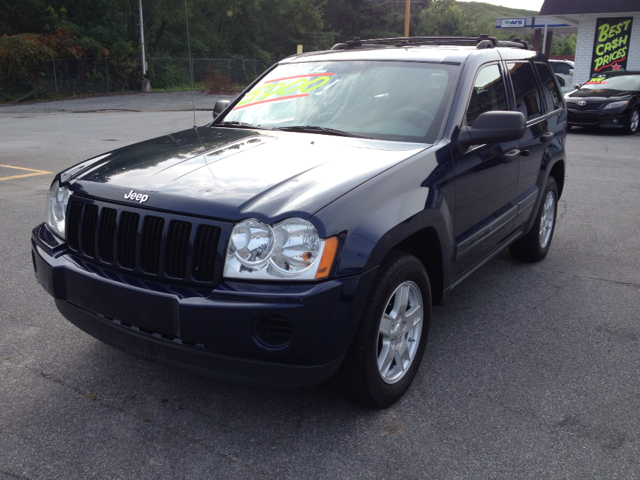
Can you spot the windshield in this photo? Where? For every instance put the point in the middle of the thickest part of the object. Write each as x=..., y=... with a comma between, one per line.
x=622, y=83
x=383, y=100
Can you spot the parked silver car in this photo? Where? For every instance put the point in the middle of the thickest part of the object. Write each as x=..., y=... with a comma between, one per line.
x=564, y=71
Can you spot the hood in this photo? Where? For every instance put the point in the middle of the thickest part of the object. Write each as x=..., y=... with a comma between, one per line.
x=600, y=94
x=238, y=173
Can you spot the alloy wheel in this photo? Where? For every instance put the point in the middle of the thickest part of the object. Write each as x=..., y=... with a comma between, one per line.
x=547, y=219
x=399, y=332
x=635, y=121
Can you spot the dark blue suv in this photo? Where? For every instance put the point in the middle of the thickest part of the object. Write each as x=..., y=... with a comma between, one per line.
x=306, y=232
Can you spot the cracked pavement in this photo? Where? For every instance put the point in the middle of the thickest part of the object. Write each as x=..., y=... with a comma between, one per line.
x=531, y=371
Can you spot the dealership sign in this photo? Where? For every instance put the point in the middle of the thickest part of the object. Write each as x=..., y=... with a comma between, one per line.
x=611, y=45
x=513, y=22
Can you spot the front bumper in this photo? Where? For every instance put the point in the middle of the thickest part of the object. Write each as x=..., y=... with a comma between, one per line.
x=615, y=119
x=207, y=332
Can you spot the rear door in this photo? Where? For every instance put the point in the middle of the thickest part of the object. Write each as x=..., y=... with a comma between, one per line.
x=538, y=98
x=529, y=102
x=556, y=116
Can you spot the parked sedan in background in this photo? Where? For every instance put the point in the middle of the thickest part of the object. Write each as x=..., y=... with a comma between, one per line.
x=609, y=100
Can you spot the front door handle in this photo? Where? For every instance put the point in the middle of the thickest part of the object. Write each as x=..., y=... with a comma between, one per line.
x=510, y=156
x=547, y=136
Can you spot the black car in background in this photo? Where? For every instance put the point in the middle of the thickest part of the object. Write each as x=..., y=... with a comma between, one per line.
x=608, y=100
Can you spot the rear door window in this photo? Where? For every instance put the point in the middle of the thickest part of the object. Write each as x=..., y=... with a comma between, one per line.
x=526, y=89
x=549, y=88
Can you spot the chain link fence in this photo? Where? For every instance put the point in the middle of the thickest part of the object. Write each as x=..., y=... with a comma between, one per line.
x=82, y=76
x=176, y=72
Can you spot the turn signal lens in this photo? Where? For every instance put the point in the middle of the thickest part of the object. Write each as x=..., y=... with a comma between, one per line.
x=328, y=256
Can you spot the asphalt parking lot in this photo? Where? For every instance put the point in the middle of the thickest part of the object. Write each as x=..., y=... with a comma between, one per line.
x=531, y=371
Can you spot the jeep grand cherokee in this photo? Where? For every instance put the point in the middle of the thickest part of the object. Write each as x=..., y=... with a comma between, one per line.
x=306, y=231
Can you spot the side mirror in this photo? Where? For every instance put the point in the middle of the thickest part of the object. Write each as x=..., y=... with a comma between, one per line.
x=493, y=127
x=577, y=86
x=571, y=71
x=220, y=106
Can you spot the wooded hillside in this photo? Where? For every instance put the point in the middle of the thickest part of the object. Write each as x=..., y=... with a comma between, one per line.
x=265, y=30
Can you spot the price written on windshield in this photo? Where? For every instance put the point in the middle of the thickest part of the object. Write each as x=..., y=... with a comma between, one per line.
x=284, y=89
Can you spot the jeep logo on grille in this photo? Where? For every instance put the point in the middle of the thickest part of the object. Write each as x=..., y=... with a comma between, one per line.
x=136, y=197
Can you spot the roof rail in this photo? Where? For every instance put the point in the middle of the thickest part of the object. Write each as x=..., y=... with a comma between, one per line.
x=516, y=42
x=482, y=41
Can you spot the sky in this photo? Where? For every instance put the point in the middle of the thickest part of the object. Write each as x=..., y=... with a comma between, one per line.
x=524, y=4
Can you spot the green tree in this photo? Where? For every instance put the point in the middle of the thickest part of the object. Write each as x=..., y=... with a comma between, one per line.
x=26, y=16
x=443, y=18
x=564, y=45
x=370, y=18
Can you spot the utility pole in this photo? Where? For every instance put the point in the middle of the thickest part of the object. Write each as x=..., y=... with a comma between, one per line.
x=146, y=86
x=406, y=18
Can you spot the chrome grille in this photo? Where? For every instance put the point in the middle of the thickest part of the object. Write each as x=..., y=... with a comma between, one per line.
x=154, y=244
x=589, y=107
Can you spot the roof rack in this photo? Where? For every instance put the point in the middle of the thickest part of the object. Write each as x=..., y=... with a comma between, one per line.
x=482, y=41
x=516, y=42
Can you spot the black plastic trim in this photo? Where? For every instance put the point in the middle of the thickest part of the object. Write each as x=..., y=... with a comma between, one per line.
x=197, y=360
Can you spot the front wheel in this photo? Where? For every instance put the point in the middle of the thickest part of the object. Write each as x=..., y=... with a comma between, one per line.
x=389, y=344
x=634, y=122
x=534, y=246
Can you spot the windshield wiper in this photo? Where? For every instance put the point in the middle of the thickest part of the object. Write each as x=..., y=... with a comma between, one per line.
x=241, y=125
x=322, y=130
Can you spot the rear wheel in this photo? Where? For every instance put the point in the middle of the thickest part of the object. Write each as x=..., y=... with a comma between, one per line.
x=389, y=344
x=534, y=246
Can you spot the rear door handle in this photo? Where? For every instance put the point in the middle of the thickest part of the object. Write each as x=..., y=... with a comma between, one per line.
x=510, y=155
x=547, y=136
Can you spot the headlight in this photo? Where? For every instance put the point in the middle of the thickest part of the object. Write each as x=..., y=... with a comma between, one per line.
x=291, y=249
x=251, y=243
x=617, y=105
x=57, y=208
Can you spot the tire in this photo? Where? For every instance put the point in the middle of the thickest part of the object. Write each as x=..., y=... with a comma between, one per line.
x=534, y=246
x=387, y=349
x=634, y=122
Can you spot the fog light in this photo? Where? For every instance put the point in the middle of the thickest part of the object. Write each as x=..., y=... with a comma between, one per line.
x=273, y=331
x=615, y=120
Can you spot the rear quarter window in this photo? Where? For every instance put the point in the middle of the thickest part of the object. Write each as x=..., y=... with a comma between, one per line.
x=550, y=90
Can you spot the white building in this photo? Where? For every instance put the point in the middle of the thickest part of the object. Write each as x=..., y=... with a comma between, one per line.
x=608, y=33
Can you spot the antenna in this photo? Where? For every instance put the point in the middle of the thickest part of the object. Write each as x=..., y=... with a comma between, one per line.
x=190, y=64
